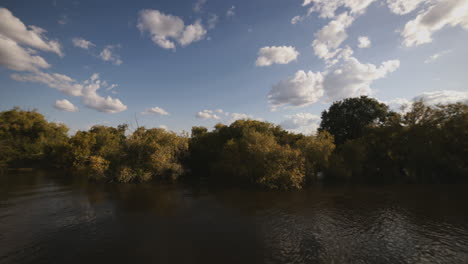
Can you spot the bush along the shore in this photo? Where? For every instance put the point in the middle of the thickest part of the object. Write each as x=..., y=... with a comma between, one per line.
x=359, y=140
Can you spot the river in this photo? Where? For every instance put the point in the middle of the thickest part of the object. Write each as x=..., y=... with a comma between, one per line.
x=49, y=217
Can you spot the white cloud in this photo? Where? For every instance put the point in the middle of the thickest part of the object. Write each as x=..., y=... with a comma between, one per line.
x=349, y=79
x=327, y=8
x=225, y=117
x=107, y=54
x=305, y=123
x=238, y=116
x=353, y=78
x=402, y=7
x=192, y=33
x=429, y=98
x=87, y=90
x=99, y=103
x=231, y=11
x=330, y=37
x=327, y=41
x=364, y=42
x=11, y=27
x=65, y=105
x=16, y=58
x=164, y=127
x=443, y=13
x=398, y=104
x=436, y=56
x=443, y=97
x=280, y=55
x=207, y=114
x=165, y=29
x=302, y=89
x=57, y=81
x=297, y=19
x=156, y=111
x=198, y=6
x=82, y=43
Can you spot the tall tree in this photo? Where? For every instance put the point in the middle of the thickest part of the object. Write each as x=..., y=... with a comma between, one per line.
x=348, y=119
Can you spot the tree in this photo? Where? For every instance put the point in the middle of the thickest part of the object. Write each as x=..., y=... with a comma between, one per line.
x=256, y=158
x=153, y=153
x=317, y=151
x=28, y=139
x=348, y=119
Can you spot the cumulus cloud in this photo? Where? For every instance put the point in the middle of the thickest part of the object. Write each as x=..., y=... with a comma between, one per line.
x=207, y=114
x=353, y=78
x=231, y=11
x=399, y=104
x=429, y=98
x=15, y=57
x=348, y=79
x=237, y=116
x=279, y=55
x=82, y=43
x=443, y=97
x=87, y=90
x=302, y=89
x=156, y=111
x=330, y=37
x=448, y=13
x=364, y=42
x=19, y=44
x=436, y=56
x=65, y=105
x=402, y=7
x=305, y=123
x=327, y=8
x=108, y=54
x=93, y=100
x=328, y=40
x=192, y=33
x=165, y=29
x=33, y=36
x=225, y=117
x=57, y=81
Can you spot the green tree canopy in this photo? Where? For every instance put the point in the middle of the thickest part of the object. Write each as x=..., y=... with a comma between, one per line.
x=348, y=119
x=28, y=139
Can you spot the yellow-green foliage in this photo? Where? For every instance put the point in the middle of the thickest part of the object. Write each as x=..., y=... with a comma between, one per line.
x=157, y=151
x=126, y=175
x=257, y=158
x=27, y=139
x=316, y=151
x=98, y=167
x=81, y=148
x=426, y=144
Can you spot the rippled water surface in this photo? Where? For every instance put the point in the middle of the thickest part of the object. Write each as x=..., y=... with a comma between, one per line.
x=51, y=218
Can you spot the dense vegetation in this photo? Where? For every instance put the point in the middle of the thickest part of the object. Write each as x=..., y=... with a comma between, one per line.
x=359, y=140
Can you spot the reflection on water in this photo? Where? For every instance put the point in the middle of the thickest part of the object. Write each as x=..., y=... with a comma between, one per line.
x=51, y=218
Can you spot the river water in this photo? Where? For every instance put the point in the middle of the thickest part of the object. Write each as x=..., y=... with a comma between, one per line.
x=48, y=217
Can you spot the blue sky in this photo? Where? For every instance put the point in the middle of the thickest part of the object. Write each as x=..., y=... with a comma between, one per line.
x=182, y=63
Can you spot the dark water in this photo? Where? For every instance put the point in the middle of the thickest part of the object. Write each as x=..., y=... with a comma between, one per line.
x=51, y=218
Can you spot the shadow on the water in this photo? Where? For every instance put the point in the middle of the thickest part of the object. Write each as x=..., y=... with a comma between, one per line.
x=53, y=217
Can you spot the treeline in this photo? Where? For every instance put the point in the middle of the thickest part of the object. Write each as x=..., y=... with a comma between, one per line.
x=359, y=140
